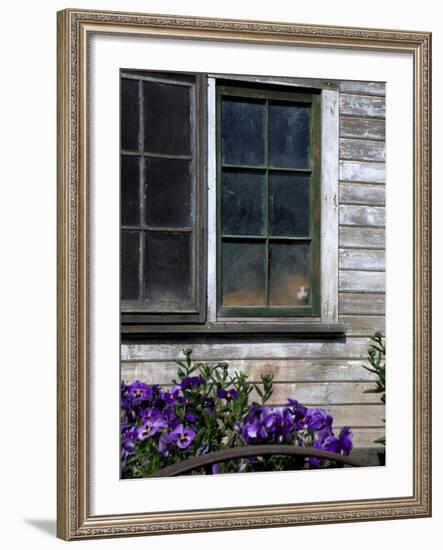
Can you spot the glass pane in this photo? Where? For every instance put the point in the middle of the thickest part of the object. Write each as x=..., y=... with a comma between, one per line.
x=167, y=268
x=288, y=205
x=289, y=135
x=167, y=118
x=130, y=191
x=130, y=258
x=167, y=192
x=243, y=202
x=242, y=132
x=289, y=274
x=129, y=115
x=243, y=274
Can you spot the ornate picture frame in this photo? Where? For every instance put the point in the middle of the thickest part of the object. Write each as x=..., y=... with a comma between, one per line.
x=76, y=518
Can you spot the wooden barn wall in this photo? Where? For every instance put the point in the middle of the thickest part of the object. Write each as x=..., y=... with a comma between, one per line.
x=324, y=373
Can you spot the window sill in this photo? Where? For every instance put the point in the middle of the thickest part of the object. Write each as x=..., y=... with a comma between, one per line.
x=302, y=330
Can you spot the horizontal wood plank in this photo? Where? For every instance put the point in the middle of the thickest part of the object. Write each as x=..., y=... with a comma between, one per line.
x=361, y=304
x=367, y=172
x=352, y=348
x=360, y=105
x=323, y=393
x=362, y=215
x=361, y=194
x=363, y=325
x=361, y=87
x=361, y=237
x=358, y=149
x=361, y=259
x=362, y=128
x=365, y=437
x=287, y=370
x=361, y=281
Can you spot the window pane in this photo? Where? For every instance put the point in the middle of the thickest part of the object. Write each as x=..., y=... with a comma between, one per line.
x=288, y=205
x=243, y=202
x=243, y=274
x=289, y=135
x=167, y=118
x=130, y=190
x=242, y=132
x=130, y=258
x=167, y=268
x=167, y=192
x=129, y=115
x=289, y=274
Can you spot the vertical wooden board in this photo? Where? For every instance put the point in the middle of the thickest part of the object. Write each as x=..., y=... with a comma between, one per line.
x=369, y=172
x=362, y=215
x=362, y=237
x=361, y=281
x=329, y=206
x=362, y=194
x=362, y=128
x=360, y=105
x=362, y=259
x=362, y=87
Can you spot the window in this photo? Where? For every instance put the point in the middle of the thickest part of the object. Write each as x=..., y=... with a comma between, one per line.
x=228, y=221
x=268, y=178
x=162, y=230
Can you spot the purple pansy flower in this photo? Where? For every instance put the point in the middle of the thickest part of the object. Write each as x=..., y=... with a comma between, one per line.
x=317, y=419
x=183, y=437
x=279, y=422
x=129, y=437
x=345, y=441
x=253, y=432
x=138, y=392
x=228, y=394
x=191, y=382
x=152, y=426
x=164, y=443
x=299, y=412
x=149, y=413
x=171, y=396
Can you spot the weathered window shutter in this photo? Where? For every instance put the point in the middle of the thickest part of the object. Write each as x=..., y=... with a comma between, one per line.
x=162, y=197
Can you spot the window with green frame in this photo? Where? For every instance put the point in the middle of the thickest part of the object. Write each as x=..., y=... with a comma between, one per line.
x=268, y=202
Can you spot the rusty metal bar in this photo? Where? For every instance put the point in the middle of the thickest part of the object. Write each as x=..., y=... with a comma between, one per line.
x=247, y=451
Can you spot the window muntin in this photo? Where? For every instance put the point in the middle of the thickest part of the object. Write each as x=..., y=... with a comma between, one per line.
x=162, y=247
x=268, y=186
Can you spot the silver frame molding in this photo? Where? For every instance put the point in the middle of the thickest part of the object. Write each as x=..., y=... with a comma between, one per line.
x=74, y=519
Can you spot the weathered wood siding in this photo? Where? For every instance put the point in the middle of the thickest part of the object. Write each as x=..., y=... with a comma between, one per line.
x=324, y=373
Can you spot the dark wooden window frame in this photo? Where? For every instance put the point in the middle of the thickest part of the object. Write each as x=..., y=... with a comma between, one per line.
x=133, y=311
x=313, y=171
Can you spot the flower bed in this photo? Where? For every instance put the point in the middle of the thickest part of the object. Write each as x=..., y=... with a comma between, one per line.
x=206, y=409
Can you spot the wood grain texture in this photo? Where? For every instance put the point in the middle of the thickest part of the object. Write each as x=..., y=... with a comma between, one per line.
x=352, y=348
x=361, y=304
x=362, y=281
x=362, y=215
x=361, y=259
x=284, y=370
x=362, y=150
x=370, y=172
x=361, y=194
x=360, y=105
x=362, y=128
x=363, y=325
x=362, y=237
x=361, y=87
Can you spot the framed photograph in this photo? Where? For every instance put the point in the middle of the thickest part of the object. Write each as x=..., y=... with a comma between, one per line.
x=243, y=245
